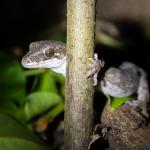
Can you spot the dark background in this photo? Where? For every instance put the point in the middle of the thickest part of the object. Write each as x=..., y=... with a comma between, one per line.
x=24, y=21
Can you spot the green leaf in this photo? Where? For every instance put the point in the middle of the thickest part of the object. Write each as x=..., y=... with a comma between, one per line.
x=12, y=80
x=39, y=102
x=8, y=106
x=55, y=111
x=14, y=136
x=59, y=78
x=47, y=82
x=116, y=102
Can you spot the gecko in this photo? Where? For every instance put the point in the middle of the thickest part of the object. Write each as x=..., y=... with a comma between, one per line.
x=123, y=81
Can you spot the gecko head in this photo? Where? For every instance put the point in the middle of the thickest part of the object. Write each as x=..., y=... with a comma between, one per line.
x=45, y=54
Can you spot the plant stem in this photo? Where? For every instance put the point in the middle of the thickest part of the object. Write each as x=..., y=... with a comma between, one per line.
x=79, y=89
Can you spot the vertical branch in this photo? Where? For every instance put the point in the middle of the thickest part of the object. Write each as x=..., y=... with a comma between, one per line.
x=79, y=90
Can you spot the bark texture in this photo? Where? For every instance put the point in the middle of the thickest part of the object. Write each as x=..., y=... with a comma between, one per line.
x=79, y=90
x=127, y=131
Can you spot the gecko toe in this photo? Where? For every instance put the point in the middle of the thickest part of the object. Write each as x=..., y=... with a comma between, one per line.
x=94, y=67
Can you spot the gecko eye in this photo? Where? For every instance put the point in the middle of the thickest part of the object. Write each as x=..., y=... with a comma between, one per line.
x=49, y=52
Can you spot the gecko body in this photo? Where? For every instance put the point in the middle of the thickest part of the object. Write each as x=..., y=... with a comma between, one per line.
x=117, y=82
x=122, y=81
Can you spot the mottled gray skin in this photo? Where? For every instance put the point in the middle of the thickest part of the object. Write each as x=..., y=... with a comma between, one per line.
x=117, y=82
x=46, y=54
x=125, y=81
x=52, y=54
x=122, y=81
x=44, y=50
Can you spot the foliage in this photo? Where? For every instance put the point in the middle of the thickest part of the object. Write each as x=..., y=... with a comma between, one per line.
x=14, y=136
x=116, y=102
x=26, y=95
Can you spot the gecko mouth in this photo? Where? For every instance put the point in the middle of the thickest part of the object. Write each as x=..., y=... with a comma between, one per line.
x=27, y=63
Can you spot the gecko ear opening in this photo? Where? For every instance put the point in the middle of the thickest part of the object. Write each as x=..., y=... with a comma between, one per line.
x=49, y=52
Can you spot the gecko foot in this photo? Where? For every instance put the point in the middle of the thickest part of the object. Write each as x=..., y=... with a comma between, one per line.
x=94, y=67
